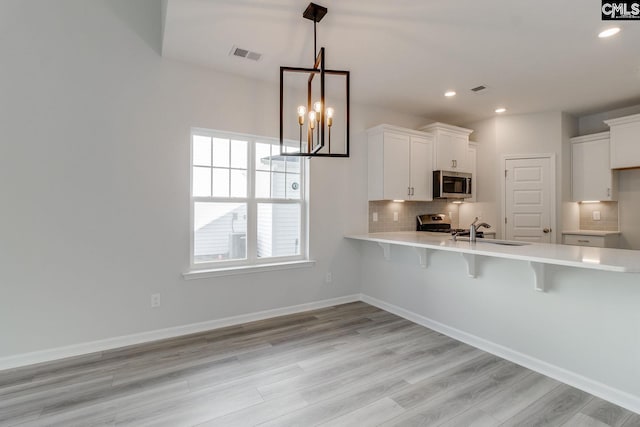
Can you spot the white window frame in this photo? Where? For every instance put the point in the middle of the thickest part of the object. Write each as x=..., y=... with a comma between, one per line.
x=252, y=209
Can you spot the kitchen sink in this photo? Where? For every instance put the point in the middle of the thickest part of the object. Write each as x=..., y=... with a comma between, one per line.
x=495, y=241
x=503, y=242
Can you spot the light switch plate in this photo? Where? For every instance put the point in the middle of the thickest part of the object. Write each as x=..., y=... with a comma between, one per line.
x=596, y=215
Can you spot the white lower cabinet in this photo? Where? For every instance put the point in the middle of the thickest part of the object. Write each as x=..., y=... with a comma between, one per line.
x=604, y=241
x=400, y=164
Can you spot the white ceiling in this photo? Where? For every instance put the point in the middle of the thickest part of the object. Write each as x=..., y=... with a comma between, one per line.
x=540, y=55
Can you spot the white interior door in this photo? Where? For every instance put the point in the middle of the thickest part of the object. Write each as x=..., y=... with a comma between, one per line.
x=528, y=199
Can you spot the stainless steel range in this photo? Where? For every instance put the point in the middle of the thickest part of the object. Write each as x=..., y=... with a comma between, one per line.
x=440, y=223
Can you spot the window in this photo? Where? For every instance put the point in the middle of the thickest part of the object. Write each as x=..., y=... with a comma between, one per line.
x=247, y=201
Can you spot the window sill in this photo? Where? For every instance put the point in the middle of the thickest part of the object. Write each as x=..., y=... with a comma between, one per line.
x=246, y=269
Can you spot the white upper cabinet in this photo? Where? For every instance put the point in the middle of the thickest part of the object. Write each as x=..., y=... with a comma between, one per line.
x=400, y=164
x=625, y=142
x=591, y=175
x=421, y=167
x=451, y=145
x=396, y=175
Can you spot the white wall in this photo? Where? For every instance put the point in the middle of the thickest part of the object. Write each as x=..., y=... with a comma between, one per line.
x=94, y=178
x=569, y=210
x=487, y=206
x=516, y=134
x=533, y=134
x=594, y=123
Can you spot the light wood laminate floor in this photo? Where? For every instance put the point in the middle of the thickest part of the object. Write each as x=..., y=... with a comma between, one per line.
x=349, y=365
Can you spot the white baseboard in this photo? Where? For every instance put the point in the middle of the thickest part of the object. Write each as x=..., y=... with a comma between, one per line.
x=143, y=337
x=595, y=388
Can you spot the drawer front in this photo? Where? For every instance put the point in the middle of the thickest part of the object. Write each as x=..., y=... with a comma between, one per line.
x=579, y=240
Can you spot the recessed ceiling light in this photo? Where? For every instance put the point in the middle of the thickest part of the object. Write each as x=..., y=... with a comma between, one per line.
x=500, y=110
x=450, y=93
x=609, y=32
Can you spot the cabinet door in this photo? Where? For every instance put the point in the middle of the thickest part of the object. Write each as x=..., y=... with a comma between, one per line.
x=625, y=145
x=452, y=152
x=578, y=173
x=580, y=240
x=421, y=166
x=396, y=166
x=460, y=150
x=591, y=178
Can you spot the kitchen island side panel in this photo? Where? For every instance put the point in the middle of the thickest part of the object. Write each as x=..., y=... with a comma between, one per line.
x=587, y=323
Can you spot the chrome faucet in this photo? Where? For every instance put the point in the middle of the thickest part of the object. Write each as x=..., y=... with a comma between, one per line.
x=473, y=228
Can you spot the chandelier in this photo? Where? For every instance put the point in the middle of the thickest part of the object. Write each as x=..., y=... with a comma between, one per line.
x=314, y=104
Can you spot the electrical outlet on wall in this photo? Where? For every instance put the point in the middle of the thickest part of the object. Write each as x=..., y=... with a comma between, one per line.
x=328, y=278
x=155, y=300
x=596, y=215
x=375, y=217
x=395, y=216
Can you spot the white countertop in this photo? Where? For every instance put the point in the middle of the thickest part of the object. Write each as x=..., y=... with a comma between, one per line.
x=620, y=260
x=591, y=232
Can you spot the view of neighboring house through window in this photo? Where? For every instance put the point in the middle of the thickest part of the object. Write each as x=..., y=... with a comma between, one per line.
x=247, y=201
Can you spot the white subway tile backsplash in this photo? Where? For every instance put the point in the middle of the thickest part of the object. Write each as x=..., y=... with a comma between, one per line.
x=407, y=212
x=608, y=216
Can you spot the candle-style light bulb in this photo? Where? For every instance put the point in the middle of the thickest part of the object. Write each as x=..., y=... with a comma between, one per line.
x=312, y=119
x=301, y=112
x=317, y=106
x=329, y=116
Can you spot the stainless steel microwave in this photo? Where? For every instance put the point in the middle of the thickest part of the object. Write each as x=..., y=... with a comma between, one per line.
x=451, y=185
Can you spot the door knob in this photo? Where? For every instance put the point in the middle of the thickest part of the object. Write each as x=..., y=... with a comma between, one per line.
x=546, y=230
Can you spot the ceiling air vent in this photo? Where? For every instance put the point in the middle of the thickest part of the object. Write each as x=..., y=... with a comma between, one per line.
x=244, y=53
x=478, y=88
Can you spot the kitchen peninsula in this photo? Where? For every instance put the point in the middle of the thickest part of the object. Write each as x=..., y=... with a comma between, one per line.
x=620, y=260
x=582, y=327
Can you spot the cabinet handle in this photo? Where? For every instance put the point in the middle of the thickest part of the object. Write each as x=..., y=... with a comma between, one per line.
x=608, y=192
x=413, y=191
x=583, y=241
x=408, y=191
